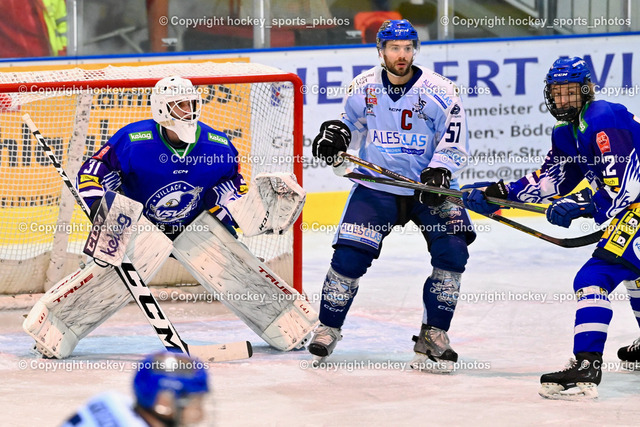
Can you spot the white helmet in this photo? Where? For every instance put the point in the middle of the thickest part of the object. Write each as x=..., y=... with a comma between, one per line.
x=165, y=97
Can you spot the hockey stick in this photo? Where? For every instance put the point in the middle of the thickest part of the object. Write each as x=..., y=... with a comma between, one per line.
x=402, y=181
x=140, y=291
x=570, y=242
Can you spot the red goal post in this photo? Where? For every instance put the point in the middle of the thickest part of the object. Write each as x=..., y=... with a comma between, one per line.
x=77, y=110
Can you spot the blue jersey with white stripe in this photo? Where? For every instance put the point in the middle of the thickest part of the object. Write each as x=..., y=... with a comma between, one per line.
x=407, y=129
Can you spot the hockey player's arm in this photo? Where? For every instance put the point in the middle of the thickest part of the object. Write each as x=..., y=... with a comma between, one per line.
x=222, y=194
x=338, y=135
x=452, y=149
x=558, y=175
x=451, y=152
x=622, y=186
x=99, y=173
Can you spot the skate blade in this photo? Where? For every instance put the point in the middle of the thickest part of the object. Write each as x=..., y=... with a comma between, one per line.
x=583, y=391
x=422, y=363
x=630, y=366
x=317, y=361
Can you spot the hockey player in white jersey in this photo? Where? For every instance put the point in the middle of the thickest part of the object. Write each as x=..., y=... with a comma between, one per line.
x=169, y=390
x=410, y=120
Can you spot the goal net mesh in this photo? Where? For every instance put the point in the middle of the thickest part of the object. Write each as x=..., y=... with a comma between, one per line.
x=42, y=232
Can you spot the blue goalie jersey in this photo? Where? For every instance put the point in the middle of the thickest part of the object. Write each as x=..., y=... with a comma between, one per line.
x=174, y=186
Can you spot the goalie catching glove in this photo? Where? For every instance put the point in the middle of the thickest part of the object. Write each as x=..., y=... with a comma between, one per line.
x=272, y=205
x=333, y=138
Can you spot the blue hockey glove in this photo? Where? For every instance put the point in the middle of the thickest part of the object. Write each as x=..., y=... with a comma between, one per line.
x=436, y=177
x=333, y=138
x=564, y=210
x=476, y=201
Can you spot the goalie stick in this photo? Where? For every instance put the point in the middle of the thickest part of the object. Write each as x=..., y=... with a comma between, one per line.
x=140, y=291
x=569, y=242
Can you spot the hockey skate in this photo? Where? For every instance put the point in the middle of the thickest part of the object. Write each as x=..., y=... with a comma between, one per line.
x=323, y=342
x=630, y=356
x=433, y=352
x=578, y=381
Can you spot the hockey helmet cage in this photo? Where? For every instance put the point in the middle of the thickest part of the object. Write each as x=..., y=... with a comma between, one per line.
x=565, y=71
x=166, y=98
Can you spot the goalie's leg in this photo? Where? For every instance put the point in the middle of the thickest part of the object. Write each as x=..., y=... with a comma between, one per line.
x=77, y=305
x=73, y=308
x=247, y=286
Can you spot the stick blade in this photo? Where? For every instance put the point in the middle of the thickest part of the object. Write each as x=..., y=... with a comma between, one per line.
x=222, y=352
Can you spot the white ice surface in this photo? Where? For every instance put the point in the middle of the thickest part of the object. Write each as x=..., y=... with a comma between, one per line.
x=506, y=338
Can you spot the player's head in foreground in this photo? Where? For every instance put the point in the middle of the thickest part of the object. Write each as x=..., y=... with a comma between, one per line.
x=176, y=105
x=170, y=389
x=397, y=42
x=568, y=88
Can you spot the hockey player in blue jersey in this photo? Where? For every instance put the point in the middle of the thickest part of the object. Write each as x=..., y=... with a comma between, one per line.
x=596, y=141
x=177, y=168
x=169, y=390
x=408, y=119
x=146, y=161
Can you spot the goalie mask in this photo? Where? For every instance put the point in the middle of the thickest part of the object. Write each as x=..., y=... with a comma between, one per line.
x=176, y=105
x=170, y=387
x=568, y=88
x=396, y=30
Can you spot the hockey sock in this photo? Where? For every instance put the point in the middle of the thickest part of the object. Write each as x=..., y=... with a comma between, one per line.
x=592, y=319
x=338, y=292
x=439, y=296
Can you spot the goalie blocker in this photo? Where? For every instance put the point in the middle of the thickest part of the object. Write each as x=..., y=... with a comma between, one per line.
x=81, y=302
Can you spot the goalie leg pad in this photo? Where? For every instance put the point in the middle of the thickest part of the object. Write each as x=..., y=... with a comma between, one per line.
x=73, y=308
x=77, y=305
x=247, y=286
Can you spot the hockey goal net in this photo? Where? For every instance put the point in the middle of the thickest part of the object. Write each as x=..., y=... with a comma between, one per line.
x=77, y=110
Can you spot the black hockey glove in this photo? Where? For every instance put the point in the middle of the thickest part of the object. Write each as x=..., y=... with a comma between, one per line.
x=333, y=138
x=436, y=177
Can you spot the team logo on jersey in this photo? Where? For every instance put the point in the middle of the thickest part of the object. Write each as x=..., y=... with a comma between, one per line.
x=102, y=152
x=141, y=136
x=173, y=202
x=370, y=99
x=418, y=107
x=217, y=138
x=602, y=139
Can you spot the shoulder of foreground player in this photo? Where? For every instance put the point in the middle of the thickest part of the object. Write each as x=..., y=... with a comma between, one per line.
x=372, y=75
x=440, y=89
x=602, y=113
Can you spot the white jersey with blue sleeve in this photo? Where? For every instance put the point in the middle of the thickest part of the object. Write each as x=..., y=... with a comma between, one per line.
x=407, y=132
x=107, y=409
